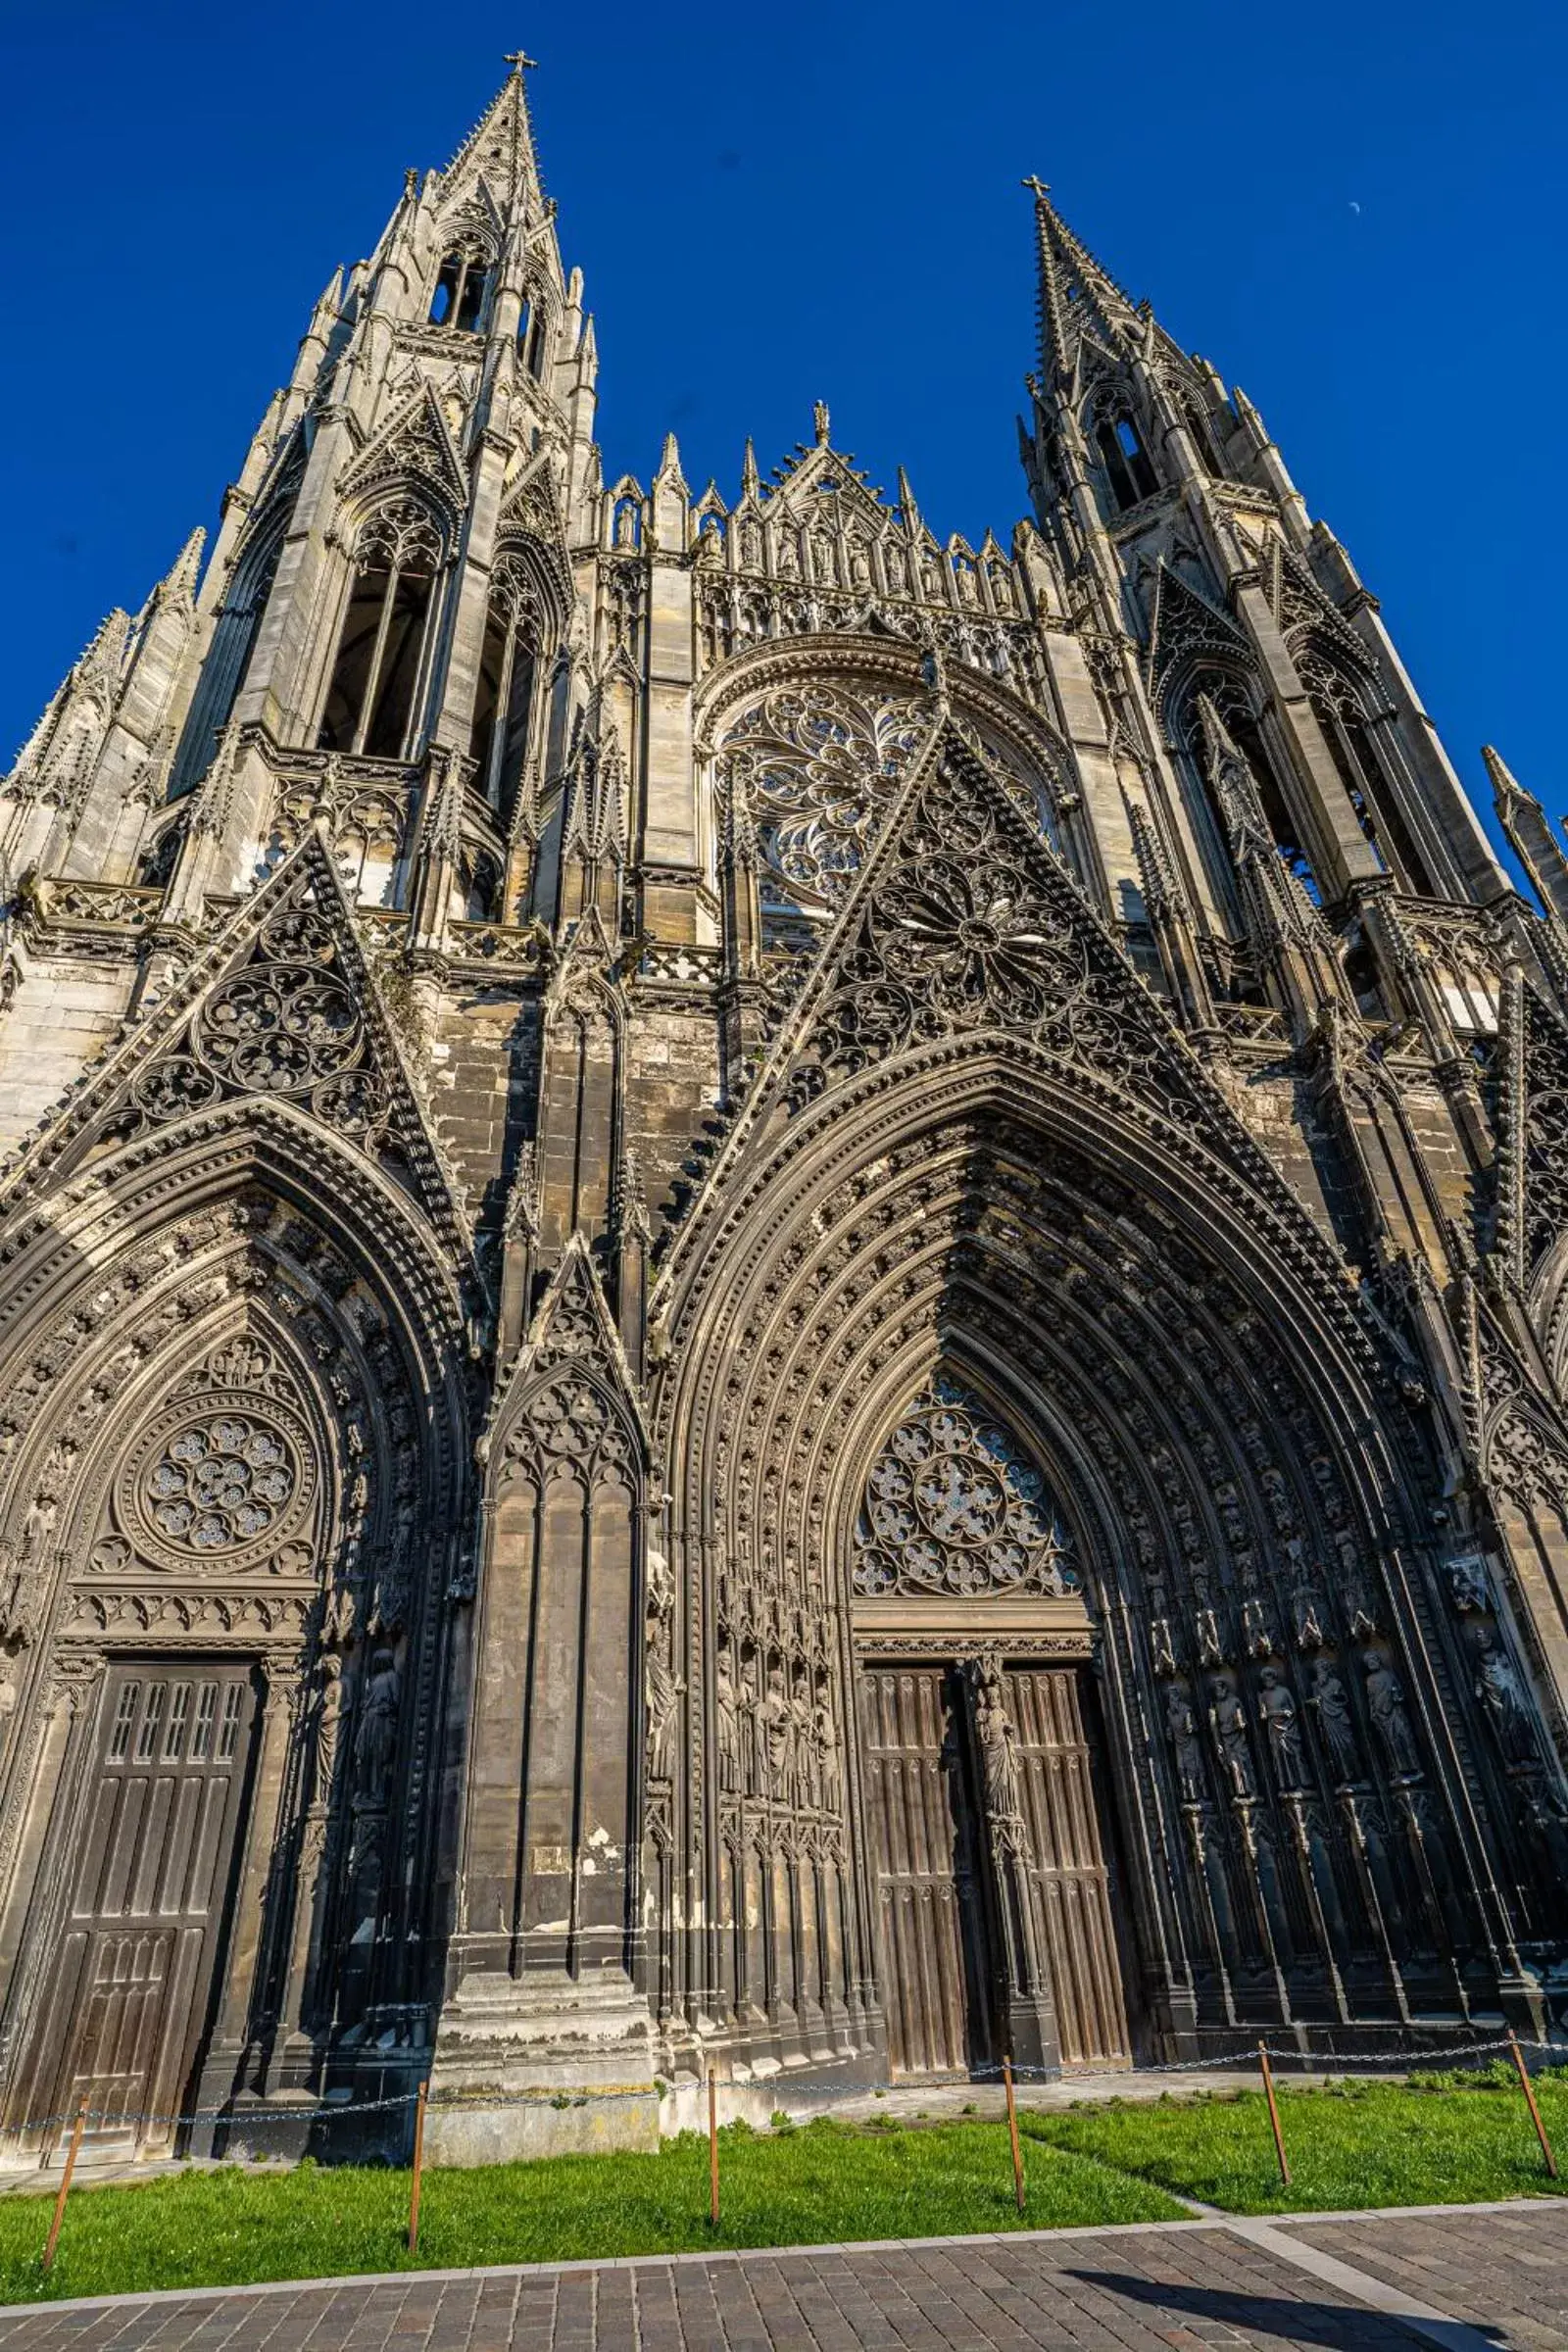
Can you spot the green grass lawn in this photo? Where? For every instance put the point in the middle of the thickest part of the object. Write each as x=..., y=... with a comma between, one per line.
x=1370, y=2143
x=823, y=2182
x=1459, y=2140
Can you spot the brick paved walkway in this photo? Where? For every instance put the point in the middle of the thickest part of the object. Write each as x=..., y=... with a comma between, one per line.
x=1462, y=2277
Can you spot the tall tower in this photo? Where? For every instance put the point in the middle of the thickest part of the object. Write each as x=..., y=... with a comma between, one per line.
x=774, y=1294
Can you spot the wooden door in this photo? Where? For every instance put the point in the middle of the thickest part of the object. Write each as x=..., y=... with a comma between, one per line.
x=937, y=1973
x=1070, y=1835
x=124, y=1999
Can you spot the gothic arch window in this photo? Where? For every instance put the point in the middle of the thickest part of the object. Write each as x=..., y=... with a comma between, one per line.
x=1125, y=462
x=532, y=328
x=478, y=889
x=463, y=288
x=955, y=1506
x=1201, y=434
x=508, y=674
x=1341, y=714
x=157, y=862
x=372, y=703
x=222, y=674
x=1241, y=720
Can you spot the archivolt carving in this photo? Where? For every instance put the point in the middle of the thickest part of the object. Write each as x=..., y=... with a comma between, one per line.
x=1224, y=1526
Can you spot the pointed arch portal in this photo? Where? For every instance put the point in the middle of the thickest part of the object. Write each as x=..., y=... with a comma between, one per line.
x=1106, y=1733
x=986, y=1826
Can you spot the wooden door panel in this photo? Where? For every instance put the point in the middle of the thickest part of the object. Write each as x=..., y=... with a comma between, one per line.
x=119, y=2015
x=934, y=1961
x=1045, y=1705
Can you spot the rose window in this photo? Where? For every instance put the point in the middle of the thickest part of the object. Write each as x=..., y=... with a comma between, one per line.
x=819, y=764
x=954, y=1505
x=279, y=1027
x=982, y=937
x=218, y=1484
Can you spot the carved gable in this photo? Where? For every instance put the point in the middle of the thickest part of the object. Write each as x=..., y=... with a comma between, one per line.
x=415, y=445
x=282, y=1008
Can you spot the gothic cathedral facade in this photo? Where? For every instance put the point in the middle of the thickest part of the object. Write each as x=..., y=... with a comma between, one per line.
x=773, y=1296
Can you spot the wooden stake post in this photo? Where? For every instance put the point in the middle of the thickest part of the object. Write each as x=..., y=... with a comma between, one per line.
x=1274, y=2113
x=1529, y=2089
x=72, y=2153
x=419, y=2167
x=712, y=2148
x=1012, y=2132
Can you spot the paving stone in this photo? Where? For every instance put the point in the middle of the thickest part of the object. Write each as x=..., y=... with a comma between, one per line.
x=1503, y=2271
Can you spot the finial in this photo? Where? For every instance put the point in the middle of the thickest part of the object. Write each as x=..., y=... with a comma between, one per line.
x=1040, y=187
x=819, y=418
x=411, y=180
x=522, y=63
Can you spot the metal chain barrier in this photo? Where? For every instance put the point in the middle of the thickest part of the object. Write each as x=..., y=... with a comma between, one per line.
x=1260, y=2054
x=1537, y=2054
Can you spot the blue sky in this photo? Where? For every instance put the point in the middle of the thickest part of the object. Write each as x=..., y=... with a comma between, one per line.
x=1353, y=211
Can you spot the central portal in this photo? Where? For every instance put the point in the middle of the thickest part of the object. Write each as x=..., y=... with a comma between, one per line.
x=990, y=1842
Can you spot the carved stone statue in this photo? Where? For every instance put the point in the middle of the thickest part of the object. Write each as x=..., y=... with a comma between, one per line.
x=773, y=1729
x=1182, y=1724
x=998, y=1743
x=825, y=1733
x=376, y=1735
x=664, y=1690
x=1335, y=1727
x=328, y=1723
x=1229, y=1718
x=1277, y=1713
x=1502, y=1695
x=727, y=1709
x=1385, y=1701
x=1469, y=1588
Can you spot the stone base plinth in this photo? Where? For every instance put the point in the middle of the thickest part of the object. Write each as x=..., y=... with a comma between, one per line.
x=540, y=2065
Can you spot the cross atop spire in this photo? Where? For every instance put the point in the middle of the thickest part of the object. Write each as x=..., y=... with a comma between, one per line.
x=500, y=143
x=1078, y=299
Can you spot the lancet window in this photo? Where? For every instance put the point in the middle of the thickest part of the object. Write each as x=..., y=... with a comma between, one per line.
x=462, y=294
x=1241, y=724
x=1129, y=472
x=532, y=336
x=507, y=667
x=1340, y=715
x=372, y=702
x=224, y=671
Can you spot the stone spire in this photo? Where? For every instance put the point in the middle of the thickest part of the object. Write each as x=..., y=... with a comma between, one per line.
x=1529, y=835
x=500, y=148
x=1076, y=296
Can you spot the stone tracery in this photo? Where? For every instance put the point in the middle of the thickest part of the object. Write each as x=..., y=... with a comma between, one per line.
x=954, y=1505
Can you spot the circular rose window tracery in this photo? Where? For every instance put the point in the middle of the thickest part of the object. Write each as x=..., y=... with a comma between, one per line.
x=220, y=1484
x=226, y=1478
x=821, y=764
x=954, y=1505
